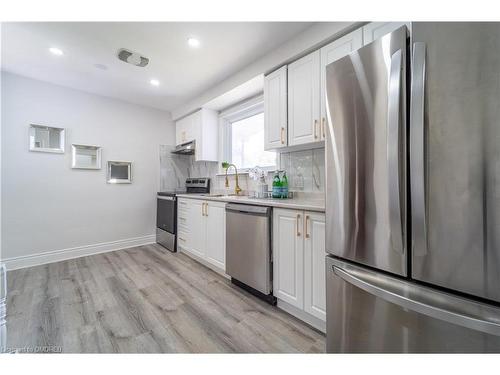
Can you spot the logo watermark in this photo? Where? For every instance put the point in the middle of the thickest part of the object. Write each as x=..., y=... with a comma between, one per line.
x=32, y=349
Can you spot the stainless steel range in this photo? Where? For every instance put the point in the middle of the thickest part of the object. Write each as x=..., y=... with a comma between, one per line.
x=166, y=210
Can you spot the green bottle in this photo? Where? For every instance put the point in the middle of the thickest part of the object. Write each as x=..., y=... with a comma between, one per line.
x=284, y=186
x=276, y=185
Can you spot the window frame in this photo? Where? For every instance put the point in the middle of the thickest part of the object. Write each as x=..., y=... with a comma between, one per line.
x=248, y=108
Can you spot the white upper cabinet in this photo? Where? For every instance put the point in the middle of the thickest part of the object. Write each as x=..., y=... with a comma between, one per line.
x=375, y=30
x=201, y=127
x=275, y=110
x=295, y=95
x=303, y=100
x=330, y=53
x=183, y=130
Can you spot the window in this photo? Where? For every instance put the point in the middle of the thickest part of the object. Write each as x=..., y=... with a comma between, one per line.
x=244, y=137
x=247, y=143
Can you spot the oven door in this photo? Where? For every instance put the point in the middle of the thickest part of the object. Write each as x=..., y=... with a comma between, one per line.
x=166, y=222
x=166, y=213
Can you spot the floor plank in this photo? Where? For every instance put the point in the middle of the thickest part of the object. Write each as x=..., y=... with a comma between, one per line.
x=145, y=300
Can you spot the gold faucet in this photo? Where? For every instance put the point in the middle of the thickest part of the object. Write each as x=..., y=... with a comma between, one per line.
x=237, y=188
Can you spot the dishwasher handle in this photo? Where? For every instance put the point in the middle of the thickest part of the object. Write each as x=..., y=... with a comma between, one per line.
x=248, y=209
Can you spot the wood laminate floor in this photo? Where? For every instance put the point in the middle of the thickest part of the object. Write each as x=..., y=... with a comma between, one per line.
x=145, y=300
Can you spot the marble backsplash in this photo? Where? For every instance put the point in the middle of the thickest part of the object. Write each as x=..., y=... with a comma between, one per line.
x=305, y=171
x=174, y=169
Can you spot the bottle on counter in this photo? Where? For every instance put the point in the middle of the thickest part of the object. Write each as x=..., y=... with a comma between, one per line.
x=276, y=185
x=284, y=186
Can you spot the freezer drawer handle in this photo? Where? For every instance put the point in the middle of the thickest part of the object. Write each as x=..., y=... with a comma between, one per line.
x=434, y=311
x=417, y=155
x=393, y=152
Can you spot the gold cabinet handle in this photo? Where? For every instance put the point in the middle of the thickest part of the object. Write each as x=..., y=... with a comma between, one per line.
x=306, y=231
x=315, y=129
x=282, y=138
x=202, y=209
x=206, y=209
x=323, y=121
x=297, y=224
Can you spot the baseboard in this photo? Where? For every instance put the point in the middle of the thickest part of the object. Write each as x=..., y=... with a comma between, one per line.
x=75, y=252
x=319, y=324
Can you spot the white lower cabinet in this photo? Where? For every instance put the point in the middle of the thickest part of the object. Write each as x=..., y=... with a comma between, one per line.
x=288, y=257
x=202, y=230
x=314, y=266
x=299, y=264
x=215, y=217
x=197, y=228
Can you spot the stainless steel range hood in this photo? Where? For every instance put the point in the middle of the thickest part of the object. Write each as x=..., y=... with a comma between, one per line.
x=185, y=148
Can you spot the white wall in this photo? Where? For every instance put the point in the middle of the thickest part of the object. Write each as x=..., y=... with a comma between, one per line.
x=46, y=205
x=306, y=41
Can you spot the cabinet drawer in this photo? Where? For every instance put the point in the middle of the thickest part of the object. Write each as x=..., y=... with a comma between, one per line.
x=182, y=238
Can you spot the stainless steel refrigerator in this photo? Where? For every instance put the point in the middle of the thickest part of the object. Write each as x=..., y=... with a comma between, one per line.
x=413, y=192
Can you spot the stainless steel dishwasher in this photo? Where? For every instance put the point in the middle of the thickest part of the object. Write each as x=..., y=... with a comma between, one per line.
x=248, y=249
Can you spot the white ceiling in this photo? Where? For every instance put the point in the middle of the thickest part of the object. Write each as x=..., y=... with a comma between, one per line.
x=184, y=72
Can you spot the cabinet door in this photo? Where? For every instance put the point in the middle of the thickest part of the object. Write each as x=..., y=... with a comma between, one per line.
x=183, y=232
x=314, y=265
x=216, y=234
x=182, y=130
x=303, y=100
x=197, y=228
x=329, y=53
x=205, y=132
x=275, y=110
x=288, y=256
x=375, y=30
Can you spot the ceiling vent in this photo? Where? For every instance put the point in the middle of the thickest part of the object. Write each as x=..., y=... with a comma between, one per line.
x=132, y=58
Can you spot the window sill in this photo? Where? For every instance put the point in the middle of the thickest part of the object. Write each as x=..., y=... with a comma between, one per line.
x=246, y=172
x=232, y=173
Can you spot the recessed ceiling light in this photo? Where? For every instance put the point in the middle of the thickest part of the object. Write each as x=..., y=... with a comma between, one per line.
x=56, y=51
x=155, y=82
x=193, y=42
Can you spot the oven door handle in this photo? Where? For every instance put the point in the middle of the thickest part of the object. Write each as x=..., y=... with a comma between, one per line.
x=164, y=198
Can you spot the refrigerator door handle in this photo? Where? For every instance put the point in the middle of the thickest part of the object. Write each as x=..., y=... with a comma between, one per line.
x=423, y=300
x=417, y=151
x=393, y=151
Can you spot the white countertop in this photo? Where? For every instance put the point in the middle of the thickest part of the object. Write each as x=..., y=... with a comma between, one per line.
x=300, y=203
